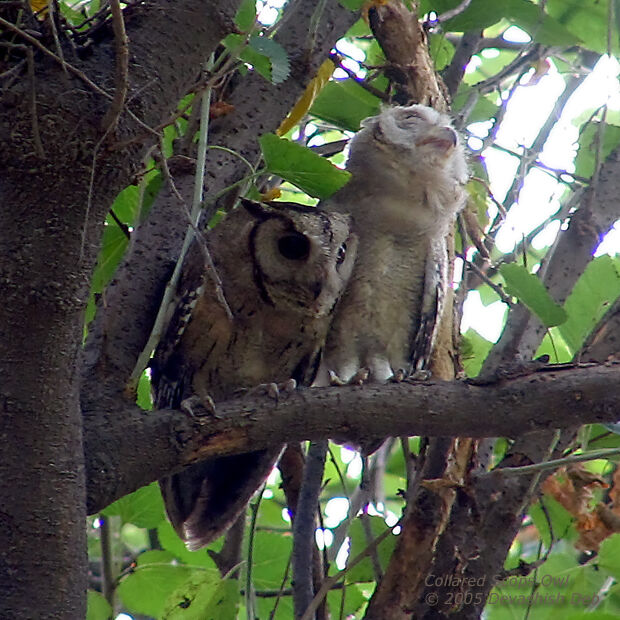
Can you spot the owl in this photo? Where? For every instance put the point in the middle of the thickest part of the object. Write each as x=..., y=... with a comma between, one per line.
x=283, y=268
x=407, y=186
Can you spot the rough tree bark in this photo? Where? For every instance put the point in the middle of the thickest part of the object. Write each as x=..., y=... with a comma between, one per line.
x=58, y=180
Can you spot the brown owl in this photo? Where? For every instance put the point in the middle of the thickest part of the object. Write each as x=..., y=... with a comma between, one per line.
x=408, y=172
x=283, y=267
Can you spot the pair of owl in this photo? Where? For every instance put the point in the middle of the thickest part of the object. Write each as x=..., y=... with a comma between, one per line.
x=356, y=283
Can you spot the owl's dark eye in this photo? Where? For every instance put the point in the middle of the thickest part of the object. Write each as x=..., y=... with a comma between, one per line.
x=294, y=246
x=342, y=254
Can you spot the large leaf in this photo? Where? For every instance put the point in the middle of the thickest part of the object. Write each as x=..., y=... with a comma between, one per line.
x=246, y=15
x=585, y=160
x=530, y=17
x=267, y=56
x=363, y=572
x=143, y=507
x=586, y=19
x=345, y=104
x=98, y=608
x=156, y=577
x=529, y=290
x=591, y=297
x=204, y=596
x=474, y=350
x=301, y=167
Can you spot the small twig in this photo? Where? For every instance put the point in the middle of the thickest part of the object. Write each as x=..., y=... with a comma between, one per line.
x=363, y=83
x=121, y=46
x=13, y=70
x=554, y=464
x=201, y=160
x=107, y=573
x=52, y=7
x=330, y=582
x=124, y=228
x=525, y=58
x=36, y=136
x=304, y=526
x=498, y=289
x=457, y=10
x=249, y=587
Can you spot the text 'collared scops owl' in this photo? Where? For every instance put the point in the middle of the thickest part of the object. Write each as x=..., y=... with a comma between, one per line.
x=408, y=171
x=283, y=268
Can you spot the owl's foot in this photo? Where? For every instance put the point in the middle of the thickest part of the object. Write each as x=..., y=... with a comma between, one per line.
x=273, y=390
x=198, y=406
x=418, y=375
x=359, y=378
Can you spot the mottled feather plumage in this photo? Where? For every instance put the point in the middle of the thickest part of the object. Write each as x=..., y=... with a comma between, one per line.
x=283, y=267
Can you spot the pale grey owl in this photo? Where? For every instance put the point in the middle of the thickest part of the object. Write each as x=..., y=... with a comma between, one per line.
x=408, y=172
x=283, y=268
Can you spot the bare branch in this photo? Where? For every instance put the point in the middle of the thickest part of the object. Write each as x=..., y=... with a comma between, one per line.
x=164, y=441
x=121, y=43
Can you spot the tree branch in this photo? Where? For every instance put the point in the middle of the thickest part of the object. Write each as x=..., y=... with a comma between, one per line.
x=164, y=441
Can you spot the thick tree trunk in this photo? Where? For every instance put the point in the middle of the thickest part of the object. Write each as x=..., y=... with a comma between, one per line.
x=58, y=180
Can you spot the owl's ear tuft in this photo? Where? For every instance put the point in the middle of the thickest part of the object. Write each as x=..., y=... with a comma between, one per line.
x=256, y=209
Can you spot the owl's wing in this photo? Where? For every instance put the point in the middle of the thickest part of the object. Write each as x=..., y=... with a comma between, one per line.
x=433, y=302
x=195, y=300
x=202, y=500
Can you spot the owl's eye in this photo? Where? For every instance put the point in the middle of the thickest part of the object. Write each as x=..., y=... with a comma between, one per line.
x=413, y=115
x=342, y=254
x=294, y=246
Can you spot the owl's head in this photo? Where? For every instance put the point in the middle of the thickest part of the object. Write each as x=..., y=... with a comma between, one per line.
x=416, y=137
x=302, y=256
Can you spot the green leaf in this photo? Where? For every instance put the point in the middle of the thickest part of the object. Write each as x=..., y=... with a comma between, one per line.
x=267, y=56
x=246, y=15
x=540, y=26
x=271, y=556
x=478, y=15
x=484, y=109
x=586, y=19
x=609, y=555
x=474, y=350
x=276, y=56
x=588, y=146
x=143, y=507
x=169, y=540
x=144, y=398
x=591, y=297
x=98, y=608
x=441, y=51
x=204, y=596
x=147, y=589
x=113, y=248
x=529, y=290
x=352, y=5
x=363, y=572
x=345, y=104
x=553, y=514
x=301, y=167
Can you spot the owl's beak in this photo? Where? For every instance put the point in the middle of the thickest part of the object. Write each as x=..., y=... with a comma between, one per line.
x=443, y=138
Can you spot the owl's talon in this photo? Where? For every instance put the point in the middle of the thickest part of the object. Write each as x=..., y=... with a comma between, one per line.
x=273, y=390
x=418, y=375
x=399, y=376
x=288, y=387
x=198, y=407
x=360, y=377
x=334, y=379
